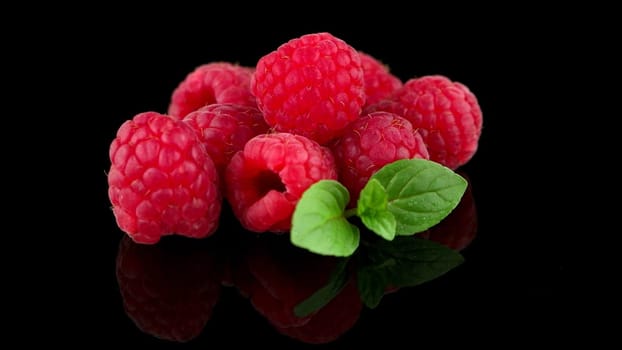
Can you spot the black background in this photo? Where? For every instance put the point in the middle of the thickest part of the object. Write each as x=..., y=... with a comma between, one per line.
x=513, y=283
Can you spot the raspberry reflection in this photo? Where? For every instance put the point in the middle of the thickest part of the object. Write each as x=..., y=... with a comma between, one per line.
x=459, y=228
x=168, y=290
x=277, y=276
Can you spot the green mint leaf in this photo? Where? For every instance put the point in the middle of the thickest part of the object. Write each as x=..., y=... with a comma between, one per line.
x=420, y=193
x=404, y=262
x=383, y=223
x=372, y=209
x=319, y=224
x=337, y=280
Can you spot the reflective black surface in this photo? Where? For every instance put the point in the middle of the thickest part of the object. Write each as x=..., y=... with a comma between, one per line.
x=170, y=290
x=229, y=290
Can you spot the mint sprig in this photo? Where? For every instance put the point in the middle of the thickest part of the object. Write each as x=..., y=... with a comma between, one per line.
x=402, y=198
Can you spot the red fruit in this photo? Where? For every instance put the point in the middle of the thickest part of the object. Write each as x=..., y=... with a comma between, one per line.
x=161, y=180
x=265, y=180
x=168, y=292
x=446, y=114
x=370, y=143
x=224, y=129
x=312, y=86
x=379, y=82
x=216, y=82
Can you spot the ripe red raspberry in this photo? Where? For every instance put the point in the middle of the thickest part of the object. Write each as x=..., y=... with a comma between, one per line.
x=311, y=86
x=168, y=291
x=161, y=180
x=446, y=114
x=265, y=180
x=371, y=142
x=379, y=82
x=216, y=82
x=224, y=129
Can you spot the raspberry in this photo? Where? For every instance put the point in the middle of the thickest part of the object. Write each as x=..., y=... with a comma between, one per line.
x=447, y=115
x=168, y=291
x=379, y=82
x=312, y=85
x=371, y=142
x=265, y=180
x=216, y=82
x=224, y=129
x=161, y=180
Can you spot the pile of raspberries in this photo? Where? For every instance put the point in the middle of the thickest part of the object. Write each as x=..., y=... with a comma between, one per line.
x=258, y=137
